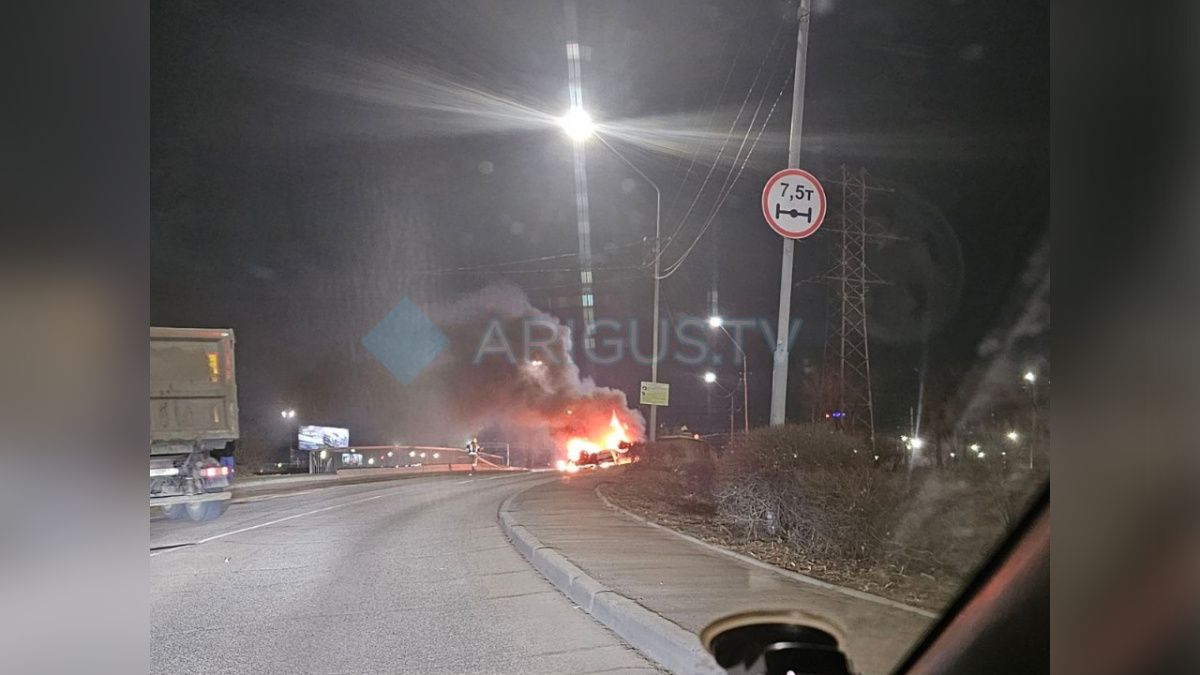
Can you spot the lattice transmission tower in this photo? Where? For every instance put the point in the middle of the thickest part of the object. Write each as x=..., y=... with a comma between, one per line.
x=847, y=367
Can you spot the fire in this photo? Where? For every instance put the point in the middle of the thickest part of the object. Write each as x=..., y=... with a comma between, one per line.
x=613, y=441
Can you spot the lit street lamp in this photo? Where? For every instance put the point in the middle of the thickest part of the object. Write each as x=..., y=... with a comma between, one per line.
x=1013, y=436
x=711, y=378
x=287, y=414
x=715, y=321
x=1031, y=378
x=578, y=125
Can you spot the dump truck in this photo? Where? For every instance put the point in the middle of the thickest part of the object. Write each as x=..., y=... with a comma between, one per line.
x=193, y=411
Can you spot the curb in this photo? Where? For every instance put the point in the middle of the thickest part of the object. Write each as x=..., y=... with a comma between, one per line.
x=794, y=576
x=656, y=637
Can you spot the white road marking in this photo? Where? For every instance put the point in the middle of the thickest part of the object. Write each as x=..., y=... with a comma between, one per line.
x=263, y=498
x=270, y=522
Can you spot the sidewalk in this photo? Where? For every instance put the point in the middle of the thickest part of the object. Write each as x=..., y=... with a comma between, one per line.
x=596, y=554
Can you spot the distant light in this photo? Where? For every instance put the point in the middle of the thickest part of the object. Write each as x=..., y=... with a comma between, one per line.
x=412, y=453
x=710, y=377
x=1003, y=454
x=1013, y=436
x=974, y=447
x=715, y=321
x=904, y=439
x=569, y=411
x=536, y=363
x=391, y=454
x=371, y=460
x=982, y=455
x=696, y=436
x=917, y=443
x=422, y=455
x=278, y=465
x=952, y=455
x=577, y=124
x=324, y=454
x=436, y=455
x=876, y=458
x=1030, y=376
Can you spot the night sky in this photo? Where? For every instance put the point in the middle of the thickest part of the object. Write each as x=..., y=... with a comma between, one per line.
x=314, y=163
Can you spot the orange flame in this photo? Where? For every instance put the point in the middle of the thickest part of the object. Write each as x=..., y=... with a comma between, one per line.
x=618, y=433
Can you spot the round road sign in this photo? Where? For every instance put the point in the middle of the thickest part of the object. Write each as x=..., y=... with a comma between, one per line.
x=793, y=202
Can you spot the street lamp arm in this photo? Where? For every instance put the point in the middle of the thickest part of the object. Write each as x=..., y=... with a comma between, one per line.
x=657, y=276
x=631, y=165
x=735, y=342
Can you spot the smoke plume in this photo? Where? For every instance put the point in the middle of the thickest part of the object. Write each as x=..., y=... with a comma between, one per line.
x=509, y=364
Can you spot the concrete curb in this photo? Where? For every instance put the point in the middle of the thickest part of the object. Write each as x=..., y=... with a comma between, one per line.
x=658, y=638
x=794, y=576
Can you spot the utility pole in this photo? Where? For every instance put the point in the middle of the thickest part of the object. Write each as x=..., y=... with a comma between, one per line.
x=779, y=374
x=745, y=399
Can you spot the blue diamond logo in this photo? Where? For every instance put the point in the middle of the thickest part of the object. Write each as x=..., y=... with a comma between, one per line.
x=405, y=341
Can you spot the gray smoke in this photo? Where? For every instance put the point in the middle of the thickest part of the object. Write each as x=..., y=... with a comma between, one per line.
x=509, y=365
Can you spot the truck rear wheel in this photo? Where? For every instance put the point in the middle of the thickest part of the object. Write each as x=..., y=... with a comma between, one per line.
x=201, y=511
x=176, y=511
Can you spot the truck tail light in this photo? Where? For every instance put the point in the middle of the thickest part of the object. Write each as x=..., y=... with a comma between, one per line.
x=214, y=471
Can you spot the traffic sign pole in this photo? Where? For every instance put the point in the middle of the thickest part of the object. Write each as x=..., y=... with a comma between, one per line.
x=779, y=373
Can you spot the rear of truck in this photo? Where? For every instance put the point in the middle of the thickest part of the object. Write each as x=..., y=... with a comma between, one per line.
x=193, y=411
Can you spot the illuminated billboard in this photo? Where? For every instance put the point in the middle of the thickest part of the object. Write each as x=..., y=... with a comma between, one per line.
x=314, y=437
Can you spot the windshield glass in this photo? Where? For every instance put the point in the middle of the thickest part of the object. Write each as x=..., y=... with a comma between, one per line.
x=512, y=337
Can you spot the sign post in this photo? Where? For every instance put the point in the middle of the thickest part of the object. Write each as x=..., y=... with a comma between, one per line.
x=780, y=372
x=655, y=393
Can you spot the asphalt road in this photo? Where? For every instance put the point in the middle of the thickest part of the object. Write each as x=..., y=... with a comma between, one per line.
x=411, y=576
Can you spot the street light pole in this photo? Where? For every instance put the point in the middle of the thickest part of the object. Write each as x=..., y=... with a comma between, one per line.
x=745, y=385
x=717, y=322
x=1031, y=378
x=657, y=276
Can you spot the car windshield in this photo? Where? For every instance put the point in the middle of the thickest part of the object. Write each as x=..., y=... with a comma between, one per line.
x=537, y=337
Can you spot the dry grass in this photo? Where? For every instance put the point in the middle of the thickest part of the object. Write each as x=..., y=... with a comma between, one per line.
x=801, y=499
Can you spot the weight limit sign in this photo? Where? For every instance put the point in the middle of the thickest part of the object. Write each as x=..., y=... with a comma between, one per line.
x=793, y=202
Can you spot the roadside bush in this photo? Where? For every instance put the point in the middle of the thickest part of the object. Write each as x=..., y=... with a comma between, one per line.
x=816, y=489
x=806, y=497
x=686, y=485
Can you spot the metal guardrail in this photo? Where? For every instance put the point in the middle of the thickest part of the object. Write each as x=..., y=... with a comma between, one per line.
x=330, y=460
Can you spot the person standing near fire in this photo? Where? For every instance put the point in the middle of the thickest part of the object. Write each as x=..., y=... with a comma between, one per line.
x=473, y=452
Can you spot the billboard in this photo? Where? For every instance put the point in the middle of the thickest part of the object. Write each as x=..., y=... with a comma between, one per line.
x=314, y=437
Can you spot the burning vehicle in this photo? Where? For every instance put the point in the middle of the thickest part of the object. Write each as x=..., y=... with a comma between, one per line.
x=611, y=449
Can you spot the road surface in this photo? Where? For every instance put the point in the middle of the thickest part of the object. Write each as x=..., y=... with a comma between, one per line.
x=411, y=576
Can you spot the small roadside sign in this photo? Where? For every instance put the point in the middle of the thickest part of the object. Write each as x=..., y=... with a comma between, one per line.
x=793, y=202
x=655, y=393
